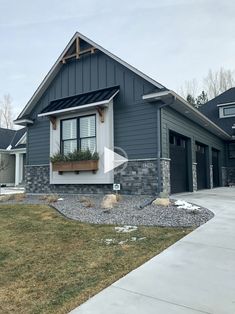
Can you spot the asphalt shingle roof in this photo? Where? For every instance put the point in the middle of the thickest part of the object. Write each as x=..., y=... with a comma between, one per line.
x=11, y=137
x=211, y=110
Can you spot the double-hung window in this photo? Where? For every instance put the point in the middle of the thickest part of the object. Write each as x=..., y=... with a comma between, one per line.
x=78, y=134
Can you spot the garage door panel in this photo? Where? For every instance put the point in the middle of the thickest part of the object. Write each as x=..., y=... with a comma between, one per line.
x=201, y=166
x=178, y=166
x=215, y=163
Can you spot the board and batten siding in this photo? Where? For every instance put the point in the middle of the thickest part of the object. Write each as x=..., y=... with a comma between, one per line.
x=135, y=124
x=38, y=143
x=171, y=120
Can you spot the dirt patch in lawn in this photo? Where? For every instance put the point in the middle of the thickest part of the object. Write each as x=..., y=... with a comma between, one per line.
x=49, y=264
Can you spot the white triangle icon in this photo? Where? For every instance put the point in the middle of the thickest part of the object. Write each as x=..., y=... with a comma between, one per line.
x=112, y=160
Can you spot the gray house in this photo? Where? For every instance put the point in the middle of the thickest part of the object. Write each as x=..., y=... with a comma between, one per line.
x=12, y=156
x=91, y=98
x=221, y=110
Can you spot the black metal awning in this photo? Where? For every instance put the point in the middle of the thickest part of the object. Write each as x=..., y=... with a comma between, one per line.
x=82, y=101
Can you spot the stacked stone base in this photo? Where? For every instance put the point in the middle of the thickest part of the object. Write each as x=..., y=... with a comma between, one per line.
x=231, y=175
x=138, y=177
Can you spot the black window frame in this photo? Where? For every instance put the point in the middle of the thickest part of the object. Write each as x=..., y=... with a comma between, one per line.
x=78, y=138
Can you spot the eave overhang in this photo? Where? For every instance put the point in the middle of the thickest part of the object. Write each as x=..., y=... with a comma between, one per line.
x=173, y=100
x=23, y=122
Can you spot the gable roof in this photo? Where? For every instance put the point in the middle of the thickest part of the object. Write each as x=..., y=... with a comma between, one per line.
x=6, y=136
x=58, y=64
x=16, y=141
x=211, y=110
x=11, y=138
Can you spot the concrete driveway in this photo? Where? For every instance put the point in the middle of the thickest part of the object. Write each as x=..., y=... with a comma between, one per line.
x=195, y=275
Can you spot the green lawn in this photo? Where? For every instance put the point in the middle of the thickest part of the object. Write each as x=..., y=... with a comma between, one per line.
x=49, y=264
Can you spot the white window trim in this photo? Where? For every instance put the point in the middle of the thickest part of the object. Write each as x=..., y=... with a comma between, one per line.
x=104, y=138
x=221, y=110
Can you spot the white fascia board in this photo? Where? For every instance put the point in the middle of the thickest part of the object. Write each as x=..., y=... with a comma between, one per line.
x=23, y=137
x=92, y=105
x=23, y=121
x=157, y=96
x=58, y=62
x=226, y=104
x=17, y=150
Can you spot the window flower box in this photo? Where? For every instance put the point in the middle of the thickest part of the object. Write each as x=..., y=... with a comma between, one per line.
x=75, y=166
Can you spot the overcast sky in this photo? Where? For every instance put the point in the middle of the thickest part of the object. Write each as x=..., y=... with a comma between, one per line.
x=170, y=40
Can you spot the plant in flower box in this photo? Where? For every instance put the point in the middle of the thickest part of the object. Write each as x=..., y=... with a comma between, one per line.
x=79, y=160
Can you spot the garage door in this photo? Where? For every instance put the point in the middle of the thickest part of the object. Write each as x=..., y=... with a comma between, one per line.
x=215, y=163
x=178, y=165
x=201, y=166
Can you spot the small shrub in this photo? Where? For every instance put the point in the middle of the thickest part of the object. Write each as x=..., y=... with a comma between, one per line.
x=19, y=197
x=58, y=157
x=119, y=197
x=86, y=201
x=12, y=197
x=5, y=198
x=77, y=155
x=51, y=198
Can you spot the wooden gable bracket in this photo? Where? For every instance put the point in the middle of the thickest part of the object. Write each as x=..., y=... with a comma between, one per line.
x=53, y=122
x=78, y=52
x=101, y=113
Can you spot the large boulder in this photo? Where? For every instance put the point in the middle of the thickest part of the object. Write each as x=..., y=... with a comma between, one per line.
x=109, y=201
x=161, y=202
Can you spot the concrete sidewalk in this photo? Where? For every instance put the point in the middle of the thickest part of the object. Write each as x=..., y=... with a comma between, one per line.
x=12, y=190
x=195, y=275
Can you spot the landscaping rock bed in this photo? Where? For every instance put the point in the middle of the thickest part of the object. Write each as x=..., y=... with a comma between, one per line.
x=126, y=212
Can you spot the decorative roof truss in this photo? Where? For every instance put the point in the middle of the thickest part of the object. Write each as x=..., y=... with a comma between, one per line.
x=77, y=51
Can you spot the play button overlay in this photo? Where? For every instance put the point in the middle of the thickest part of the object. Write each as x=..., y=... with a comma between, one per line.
x=113, y=160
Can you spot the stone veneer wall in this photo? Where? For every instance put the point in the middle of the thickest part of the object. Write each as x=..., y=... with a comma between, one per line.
x=231, y=175
x=224, y=171
x=165, y=174
x=211, y=176
x=137, y=177
x=194, y=168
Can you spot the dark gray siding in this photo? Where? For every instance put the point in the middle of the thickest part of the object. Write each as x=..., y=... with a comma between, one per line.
x=211, y=110
x=38, y=145
x=172, y=120
x=230, y=162
x=134, y=121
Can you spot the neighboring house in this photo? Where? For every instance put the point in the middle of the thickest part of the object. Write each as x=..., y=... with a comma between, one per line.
x=13, y=156
x=221, y=110
x=91, y=98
